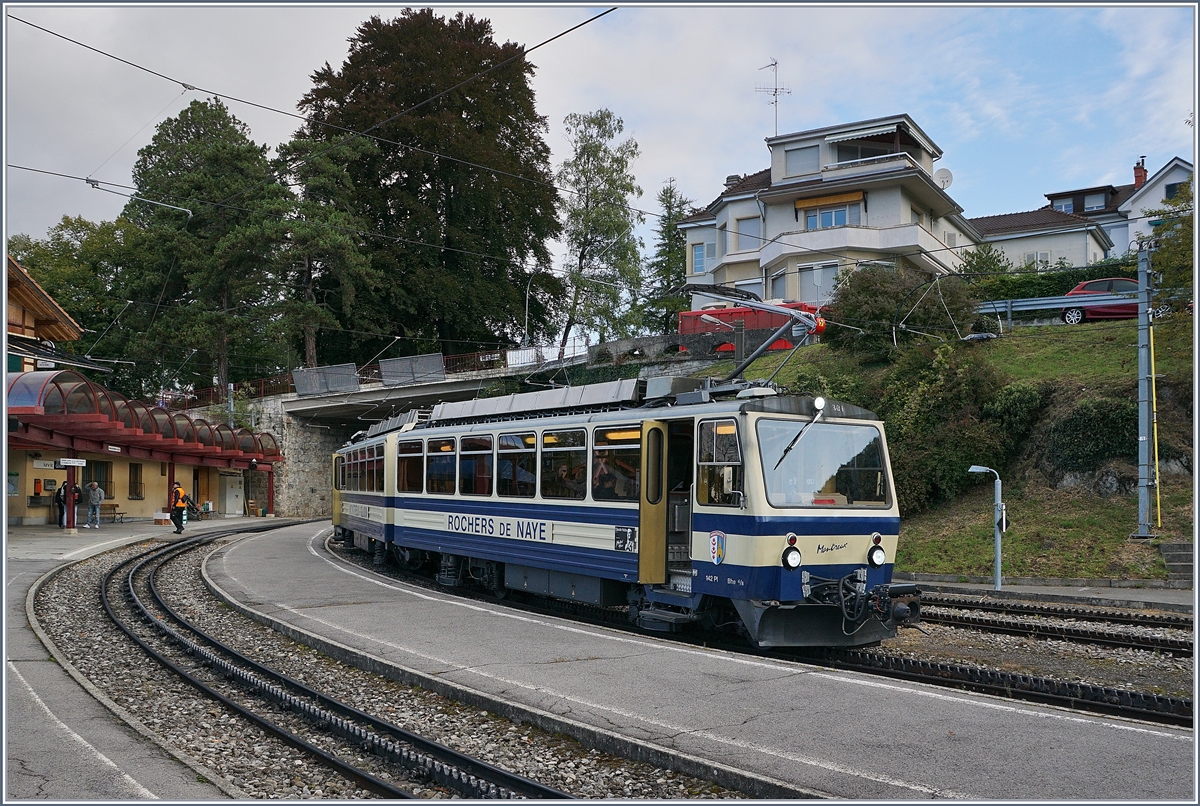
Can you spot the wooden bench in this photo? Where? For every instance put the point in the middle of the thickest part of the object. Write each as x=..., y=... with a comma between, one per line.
x=110, y=511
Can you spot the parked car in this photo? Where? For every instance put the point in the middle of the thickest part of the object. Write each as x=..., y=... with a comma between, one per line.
x=1110, y=285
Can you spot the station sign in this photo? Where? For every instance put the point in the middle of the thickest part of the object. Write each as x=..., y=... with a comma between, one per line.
x=59, y=464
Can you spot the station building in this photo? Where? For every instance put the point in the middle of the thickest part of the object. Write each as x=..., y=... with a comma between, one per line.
x=64, y=428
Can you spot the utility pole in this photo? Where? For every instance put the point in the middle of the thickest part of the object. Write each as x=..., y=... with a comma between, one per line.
x=1145, y=289
x=774, y=90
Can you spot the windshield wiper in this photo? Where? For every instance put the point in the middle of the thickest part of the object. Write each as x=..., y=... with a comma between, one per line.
x=819, y=405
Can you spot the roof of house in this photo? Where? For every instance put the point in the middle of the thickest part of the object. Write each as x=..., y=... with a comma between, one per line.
x=749, y=183
x=52, y=321
x=1044, y=218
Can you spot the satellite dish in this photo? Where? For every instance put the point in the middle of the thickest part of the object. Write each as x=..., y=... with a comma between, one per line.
x=943, y=177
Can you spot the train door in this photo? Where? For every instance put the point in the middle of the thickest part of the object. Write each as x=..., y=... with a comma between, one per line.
x=652, y=508
x=665, y=511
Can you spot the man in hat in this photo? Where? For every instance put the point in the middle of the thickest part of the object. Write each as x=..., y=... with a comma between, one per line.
x=178, y=505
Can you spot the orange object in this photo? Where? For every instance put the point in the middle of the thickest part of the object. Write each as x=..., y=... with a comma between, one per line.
x=820, y=328
x=37, y=486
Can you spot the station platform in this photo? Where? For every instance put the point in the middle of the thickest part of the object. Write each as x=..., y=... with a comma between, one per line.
x=770, y=728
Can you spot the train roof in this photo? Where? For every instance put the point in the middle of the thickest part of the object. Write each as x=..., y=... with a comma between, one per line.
x=663, y=397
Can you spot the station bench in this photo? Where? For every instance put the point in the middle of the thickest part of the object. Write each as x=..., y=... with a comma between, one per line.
x=110, y=511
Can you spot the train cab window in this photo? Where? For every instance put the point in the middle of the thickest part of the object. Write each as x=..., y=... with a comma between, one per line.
x=409, y=470
x=564, y=464
x=439, y=467
x=339, y=472
x=833, y=466
x=352, y=470
x=380, y=449
x=475, y=466
x=516, y=469
x=616, y=463
x=720, y=473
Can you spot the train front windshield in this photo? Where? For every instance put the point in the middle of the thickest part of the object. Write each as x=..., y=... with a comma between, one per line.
x=830, y=466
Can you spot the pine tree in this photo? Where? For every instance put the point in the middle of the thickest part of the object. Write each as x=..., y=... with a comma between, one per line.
x=667, y=269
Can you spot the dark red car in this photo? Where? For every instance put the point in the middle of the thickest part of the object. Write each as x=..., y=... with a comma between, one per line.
x=1111, y=285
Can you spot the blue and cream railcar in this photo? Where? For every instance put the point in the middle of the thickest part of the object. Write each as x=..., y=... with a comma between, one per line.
x=769, y=512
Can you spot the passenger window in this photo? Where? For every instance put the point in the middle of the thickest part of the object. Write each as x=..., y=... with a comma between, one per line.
x=475, y=466
x=1099, y=285
x=1124, y=286
x=439, y=467
x=564, y=464
x=720, y=477
x=516, y=469
x=408, y=467
x=617, y=463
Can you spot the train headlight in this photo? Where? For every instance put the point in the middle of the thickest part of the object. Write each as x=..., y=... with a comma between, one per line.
x=876, y=556
x=791, y=558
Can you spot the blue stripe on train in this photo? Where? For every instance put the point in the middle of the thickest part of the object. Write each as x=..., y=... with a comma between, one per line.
x=619, y=565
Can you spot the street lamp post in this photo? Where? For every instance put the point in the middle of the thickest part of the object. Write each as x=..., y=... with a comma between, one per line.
x=998, y=516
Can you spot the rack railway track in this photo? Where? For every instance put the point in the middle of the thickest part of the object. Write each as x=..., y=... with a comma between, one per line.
x=1060, y=622
x=292, y=711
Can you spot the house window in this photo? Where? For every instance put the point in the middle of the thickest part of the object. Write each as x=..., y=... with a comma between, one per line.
x=753, y=286
x=1039, y=260
x=915, y=216
x=847, y=153
x=102, y=474
x=951, y=239
x=697, y=258
x=779, y=285
x=137, y=490
x=1064, y=206
x=1093, y=201
x=722, y=243
x=838, y=216
x=710, y=255
x=798, y=161
x=1170, y=189
x=816, y=282
x=749, y=232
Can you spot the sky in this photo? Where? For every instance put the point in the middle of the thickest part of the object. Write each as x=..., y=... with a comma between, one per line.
x=1023, y=101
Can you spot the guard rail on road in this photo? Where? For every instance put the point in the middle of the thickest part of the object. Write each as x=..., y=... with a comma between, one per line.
x=1045, y=303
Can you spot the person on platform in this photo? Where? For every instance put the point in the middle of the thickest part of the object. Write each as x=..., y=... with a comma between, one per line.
x=95, y=497
x=60, y=504
x=179, y=501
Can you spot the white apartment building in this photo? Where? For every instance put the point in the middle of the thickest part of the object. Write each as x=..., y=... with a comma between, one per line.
x=832, y=199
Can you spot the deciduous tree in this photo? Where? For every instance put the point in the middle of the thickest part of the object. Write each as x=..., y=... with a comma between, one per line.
x=603, y=259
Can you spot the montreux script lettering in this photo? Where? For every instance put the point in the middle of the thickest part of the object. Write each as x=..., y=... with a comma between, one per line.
x=835, y=547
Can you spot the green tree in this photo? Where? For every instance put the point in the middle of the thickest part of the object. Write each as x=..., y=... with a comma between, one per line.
x=985, y=259
x=667, y=269
x=319, y=236
x=604, y=267
x=1174, y=257
x=210, y=267
x=459, y=237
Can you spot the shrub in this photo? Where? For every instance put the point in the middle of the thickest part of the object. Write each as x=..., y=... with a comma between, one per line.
x=1014, y=409
x=1054, y=282
x=871, y=299
x=1093, y=431
x=936, y=425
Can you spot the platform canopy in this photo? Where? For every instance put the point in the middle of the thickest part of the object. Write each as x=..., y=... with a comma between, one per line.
x=63, y=409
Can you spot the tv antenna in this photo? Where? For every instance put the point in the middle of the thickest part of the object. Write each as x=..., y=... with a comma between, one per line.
x=774, y=91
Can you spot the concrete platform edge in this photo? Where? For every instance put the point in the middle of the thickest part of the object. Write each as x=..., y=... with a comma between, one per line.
x=758, y=787
x=125, y=716
x=1026, y=595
